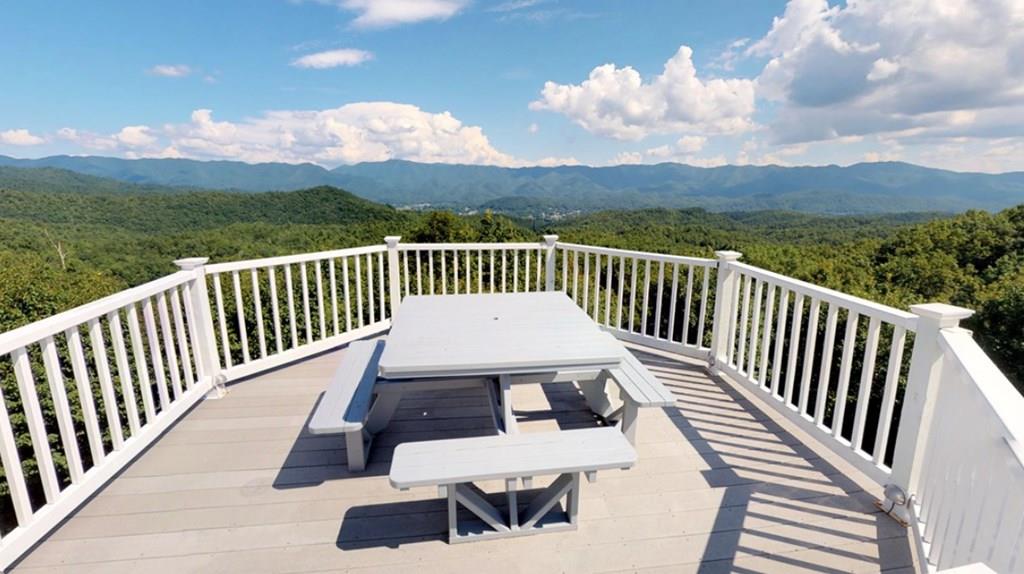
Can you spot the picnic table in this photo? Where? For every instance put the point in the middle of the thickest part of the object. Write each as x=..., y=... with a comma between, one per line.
x=483, y=340
x=495, y=340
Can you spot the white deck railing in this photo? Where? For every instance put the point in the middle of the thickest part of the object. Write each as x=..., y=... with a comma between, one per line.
x=771, y=329
x=969, y=499
x=155, y=328
x=280, y=309
x=878, y=386
x=659, y=300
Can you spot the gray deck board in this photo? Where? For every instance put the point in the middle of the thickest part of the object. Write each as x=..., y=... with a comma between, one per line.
x=239, y=485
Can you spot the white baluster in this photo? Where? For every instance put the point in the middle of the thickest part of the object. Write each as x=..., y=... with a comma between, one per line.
x=62, y=410
x=243, y=337
x=34, y=421
x=99, y=354
x=124, y=373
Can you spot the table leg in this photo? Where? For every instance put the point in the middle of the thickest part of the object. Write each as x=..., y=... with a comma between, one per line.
x=629, y=424
x=507, y=416
x=595, y=393
x=382, y=410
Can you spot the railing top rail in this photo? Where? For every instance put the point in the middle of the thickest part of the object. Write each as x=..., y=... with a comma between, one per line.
x=639, y=254
x=39, y=330
x=289, y=259
x=1002, y=397
x=470, y=246
x=864, y=306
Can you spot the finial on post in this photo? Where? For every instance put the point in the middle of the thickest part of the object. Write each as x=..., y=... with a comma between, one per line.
x=392, y=241
x=728, y=255
x=550, y=240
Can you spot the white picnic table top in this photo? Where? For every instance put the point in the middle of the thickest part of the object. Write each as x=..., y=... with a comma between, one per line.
x=493, y=334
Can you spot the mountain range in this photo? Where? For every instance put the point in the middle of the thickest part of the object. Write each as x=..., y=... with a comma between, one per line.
x=856, y=189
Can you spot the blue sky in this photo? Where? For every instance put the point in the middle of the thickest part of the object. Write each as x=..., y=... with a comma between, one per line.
x=519, y=82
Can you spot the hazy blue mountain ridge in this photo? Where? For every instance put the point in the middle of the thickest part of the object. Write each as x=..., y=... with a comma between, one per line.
x=860, y=188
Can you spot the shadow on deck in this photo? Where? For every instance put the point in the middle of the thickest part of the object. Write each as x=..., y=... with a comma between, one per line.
x=238, y=485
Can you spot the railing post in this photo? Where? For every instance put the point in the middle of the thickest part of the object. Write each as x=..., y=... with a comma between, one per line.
x=725, y=284
x=208, y=363
x=394, y=289
x=549, y=262
x=923, y=383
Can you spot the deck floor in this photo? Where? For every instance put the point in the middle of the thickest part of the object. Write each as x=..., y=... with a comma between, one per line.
x=238, y=486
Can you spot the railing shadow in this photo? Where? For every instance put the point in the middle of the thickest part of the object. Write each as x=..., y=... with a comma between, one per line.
x=782, y=507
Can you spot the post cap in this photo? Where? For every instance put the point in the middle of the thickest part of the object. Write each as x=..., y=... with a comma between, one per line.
x=550, y=239
x=945, y=315
x=728, y=255
x=392, y=240
x=190, y=263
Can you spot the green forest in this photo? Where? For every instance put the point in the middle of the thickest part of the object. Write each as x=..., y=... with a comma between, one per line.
x=64, y=248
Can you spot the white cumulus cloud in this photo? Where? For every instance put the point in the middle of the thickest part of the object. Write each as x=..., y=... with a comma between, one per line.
x=882, y=69
x=388, y=13
x=909, y=69
x=20, y=137
x=683, y=150
x=352, y=133
x=170, y=70
x=333, y=59
x=616, y=102
x=136, y=136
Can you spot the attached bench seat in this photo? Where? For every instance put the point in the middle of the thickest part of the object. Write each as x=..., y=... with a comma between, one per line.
x=640, y=385
x=348, y=405
x=455, y=464
x=638, y=388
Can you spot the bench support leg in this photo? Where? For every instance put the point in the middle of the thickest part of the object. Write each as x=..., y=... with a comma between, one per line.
x=357, y=447
x=453, y=512
x=513, y=503
x=572, y=501
x=514, y=523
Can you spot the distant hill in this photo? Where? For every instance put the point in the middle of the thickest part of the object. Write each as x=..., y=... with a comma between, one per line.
x=55, y=180
x=187, y=173
x=856, y=189
x=192, y=210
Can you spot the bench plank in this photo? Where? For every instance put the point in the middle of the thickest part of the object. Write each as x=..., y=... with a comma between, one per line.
x=474, y=459
x=347, y=400
x=640, y=384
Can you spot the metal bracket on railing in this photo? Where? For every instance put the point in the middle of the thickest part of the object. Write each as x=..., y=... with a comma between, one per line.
x=219, y=388
x=896, y=504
